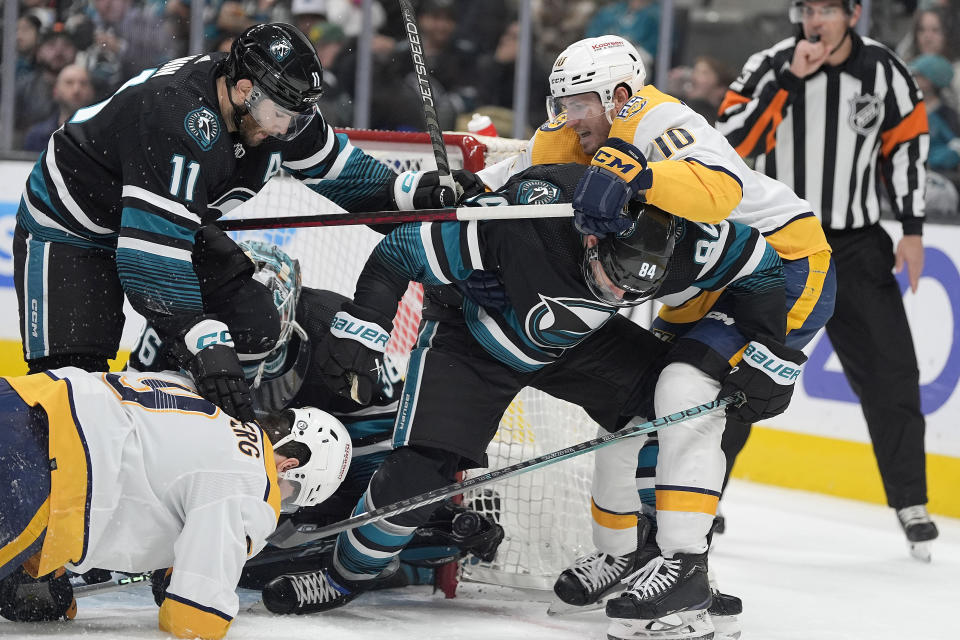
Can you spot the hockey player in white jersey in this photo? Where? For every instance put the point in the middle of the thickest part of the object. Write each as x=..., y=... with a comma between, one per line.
x=94, y=473
x=645, y=145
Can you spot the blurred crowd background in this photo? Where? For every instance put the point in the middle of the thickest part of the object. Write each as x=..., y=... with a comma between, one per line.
x=71, y=53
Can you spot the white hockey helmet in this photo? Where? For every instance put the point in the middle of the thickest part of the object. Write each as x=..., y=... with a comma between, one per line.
x=596, y=65
x=327, y=457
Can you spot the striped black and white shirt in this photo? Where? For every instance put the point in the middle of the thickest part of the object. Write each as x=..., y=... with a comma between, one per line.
x=825, y=135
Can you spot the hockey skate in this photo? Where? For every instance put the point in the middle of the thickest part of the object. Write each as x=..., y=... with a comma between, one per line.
x=919, y=529
x=668, y=600
x=723, y=611
x=307, y=592
x=590, y=581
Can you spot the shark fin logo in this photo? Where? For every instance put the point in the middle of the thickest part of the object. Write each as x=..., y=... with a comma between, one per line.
x=563, y=322
x=537, y=192
x=280, y=49
x=203, y=125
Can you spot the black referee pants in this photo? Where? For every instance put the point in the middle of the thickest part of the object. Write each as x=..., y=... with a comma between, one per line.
x=872, y=339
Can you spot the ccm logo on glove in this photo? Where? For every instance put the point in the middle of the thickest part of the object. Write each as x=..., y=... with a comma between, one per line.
x=368, y=334
x=780, y=371
x=621, y=164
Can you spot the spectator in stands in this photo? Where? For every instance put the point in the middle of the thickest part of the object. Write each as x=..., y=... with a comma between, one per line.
x=71, y=91
x=934, y=74
x=495, y=76
x=234, y=16
x=559, y=23
x=306, y=13
x=127, y=38
x=702, y=86
x=28, y=35
x=482, y=23
x=348, y=14
x=930, y=36
x=336, y=105
x=635, y=20
x=34, y=89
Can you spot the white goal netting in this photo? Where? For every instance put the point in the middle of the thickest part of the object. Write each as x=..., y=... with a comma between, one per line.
x=545, y=513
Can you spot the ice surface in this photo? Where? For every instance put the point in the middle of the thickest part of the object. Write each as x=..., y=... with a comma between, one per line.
x=807, y=567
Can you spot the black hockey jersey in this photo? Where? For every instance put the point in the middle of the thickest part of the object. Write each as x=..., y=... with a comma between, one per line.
x=539, y=262
x=139, y=172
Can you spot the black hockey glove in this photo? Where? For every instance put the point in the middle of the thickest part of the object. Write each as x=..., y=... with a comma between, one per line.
x=422, y=189
x=618, y=172
x=216, y=368
x=351, y=355
x=159, y=581
x=485, y=289
x=766, y=375
x=44, y=599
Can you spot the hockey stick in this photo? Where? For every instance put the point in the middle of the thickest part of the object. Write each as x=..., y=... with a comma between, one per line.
x=426, y=92
x=288, y=534
x=110, y=585
x=513, y=211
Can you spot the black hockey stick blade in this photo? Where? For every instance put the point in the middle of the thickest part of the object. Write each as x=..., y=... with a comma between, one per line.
x=111, y=585
x=305, y=533
x=462, y=214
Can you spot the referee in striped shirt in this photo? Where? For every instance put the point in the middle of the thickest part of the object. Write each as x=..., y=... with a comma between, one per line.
x=827, y=113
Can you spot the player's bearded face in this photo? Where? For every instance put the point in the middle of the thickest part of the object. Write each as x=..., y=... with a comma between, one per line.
x=586, y=116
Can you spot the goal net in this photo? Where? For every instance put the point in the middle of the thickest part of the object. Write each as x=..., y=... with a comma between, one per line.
x=546, y=513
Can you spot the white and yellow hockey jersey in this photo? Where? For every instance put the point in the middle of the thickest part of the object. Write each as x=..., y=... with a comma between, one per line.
x=696, y=174
x=147, y=474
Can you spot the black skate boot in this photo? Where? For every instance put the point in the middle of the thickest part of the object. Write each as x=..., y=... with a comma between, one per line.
x=668, y=598
x=308, y=592
x=919, y=529
x=592, y=577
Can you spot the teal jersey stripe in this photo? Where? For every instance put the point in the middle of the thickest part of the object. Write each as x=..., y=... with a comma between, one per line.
x=135, y=218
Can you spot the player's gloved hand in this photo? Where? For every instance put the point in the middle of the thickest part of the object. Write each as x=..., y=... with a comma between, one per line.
x=422, y=189
x=159, y=581
x=216, y=368
x=485, y=289
x=617, y=173
x=766, y=375
x=44, y=599
x=351, y=355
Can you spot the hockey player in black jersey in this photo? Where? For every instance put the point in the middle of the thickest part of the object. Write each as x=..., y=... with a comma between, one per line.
x=559, y=332
x=113, y=206
x=288, y=377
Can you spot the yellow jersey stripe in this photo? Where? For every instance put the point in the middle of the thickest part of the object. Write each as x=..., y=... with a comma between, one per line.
x=673, y=190
x=692, y=501
x=611, y=520
x=30, y=534
x=819, y=264
x=185, y=619
x=66, y=536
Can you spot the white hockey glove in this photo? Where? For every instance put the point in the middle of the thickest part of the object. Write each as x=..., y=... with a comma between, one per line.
x=422, y=189
x=216, y=369
x=766, y=375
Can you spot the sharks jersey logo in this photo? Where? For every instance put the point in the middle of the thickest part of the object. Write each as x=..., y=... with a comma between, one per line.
x=203, y=126
x=280, y=49
x=563, y=322
x=537, y=192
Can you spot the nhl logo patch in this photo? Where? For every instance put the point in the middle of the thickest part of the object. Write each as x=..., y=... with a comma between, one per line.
x=537, y=192
x=203, y=125
x=280, y=49
x=866, y=113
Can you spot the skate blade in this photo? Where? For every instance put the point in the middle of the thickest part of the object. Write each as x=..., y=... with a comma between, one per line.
x=685, y=625
x=725, y=627
x=921, y=550
x=560, y=608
